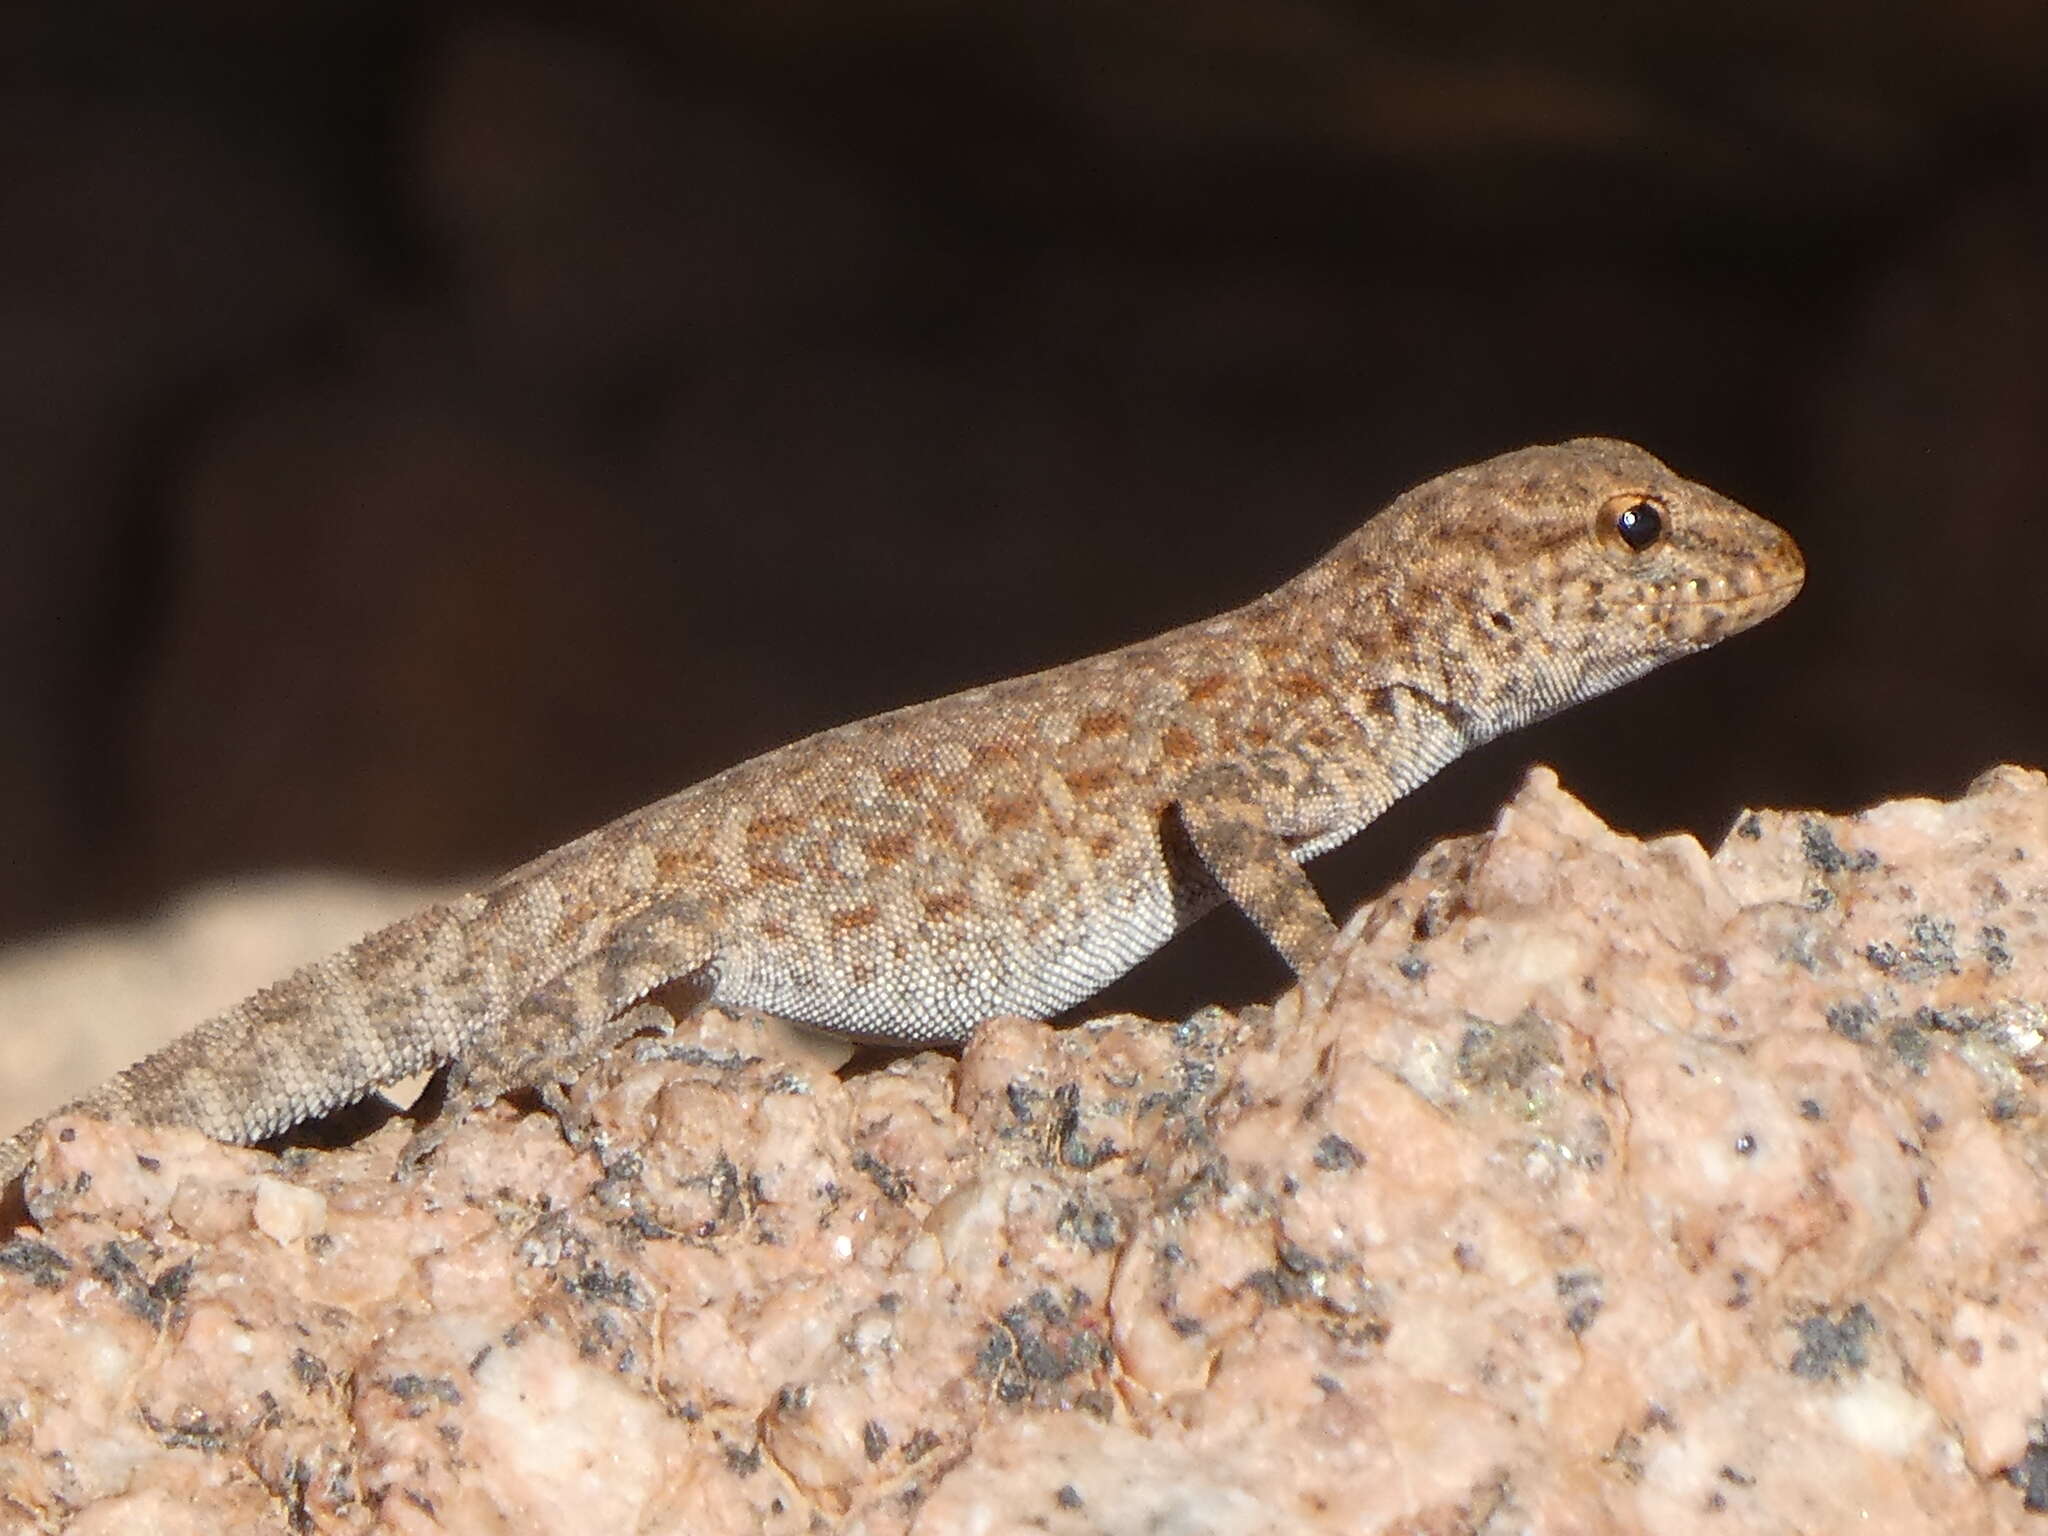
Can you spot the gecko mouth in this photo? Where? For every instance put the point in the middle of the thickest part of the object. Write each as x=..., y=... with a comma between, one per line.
x=1782, y=590
x=1690, y=624
x=1701, y=622
x=1785, y=591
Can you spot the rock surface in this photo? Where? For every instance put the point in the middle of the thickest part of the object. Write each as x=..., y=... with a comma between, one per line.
x=1591, y=1185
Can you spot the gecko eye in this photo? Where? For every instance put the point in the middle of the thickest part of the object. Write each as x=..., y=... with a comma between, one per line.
x=1638, y=521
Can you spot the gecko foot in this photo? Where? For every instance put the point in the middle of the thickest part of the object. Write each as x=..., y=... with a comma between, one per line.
x=466, y=1086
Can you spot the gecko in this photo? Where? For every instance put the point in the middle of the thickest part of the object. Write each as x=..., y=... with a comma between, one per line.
x=1014, y=848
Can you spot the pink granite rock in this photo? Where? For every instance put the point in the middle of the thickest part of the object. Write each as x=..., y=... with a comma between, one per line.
x=1591, y=1185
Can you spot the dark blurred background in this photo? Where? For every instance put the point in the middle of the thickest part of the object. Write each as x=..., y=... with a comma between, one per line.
x=427, y=430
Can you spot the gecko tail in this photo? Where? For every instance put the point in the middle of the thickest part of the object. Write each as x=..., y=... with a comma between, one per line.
x=319, y=1039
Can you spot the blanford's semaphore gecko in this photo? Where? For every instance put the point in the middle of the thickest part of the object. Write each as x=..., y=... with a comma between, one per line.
x=1014, y=848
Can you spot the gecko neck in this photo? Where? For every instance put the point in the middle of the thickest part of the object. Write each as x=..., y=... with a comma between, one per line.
x=1358, y=699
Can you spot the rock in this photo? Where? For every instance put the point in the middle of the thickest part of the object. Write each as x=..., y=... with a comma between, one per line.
x=1591, y=1184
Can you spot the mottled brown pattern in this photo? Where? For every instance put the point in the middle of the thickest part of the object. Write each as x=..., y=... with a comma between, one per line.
x=678, y=866
x=1014, y=848
x=1094, y=780
x=1178, y=744
x=855, y=919
x=1004, y=812
x=1102, y=722
x=887, y=848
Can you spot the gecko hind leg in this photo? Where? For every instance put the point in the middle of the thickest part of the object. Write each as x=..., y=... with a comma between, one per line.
x=550, y=1038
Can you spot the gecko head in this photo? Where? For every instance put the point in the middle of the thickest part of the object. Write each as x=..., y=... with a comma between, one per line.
x=1558, y=572
x=1643, y=563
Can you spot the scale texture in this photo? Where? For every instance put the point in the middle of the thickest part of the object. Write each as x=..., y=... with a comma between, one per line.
x=1014, y=848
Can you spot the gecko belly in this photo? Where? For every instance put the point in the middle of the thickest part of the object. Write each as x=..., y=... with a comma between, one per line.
x=927, y=993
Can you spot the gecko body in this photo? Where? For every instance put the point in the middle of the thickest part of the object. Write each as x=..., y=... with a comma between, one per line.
x=1013, y=848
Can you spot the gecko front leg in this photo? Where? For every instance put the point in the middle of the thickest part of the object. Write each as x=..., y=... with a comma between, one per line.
x=1230, y=829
